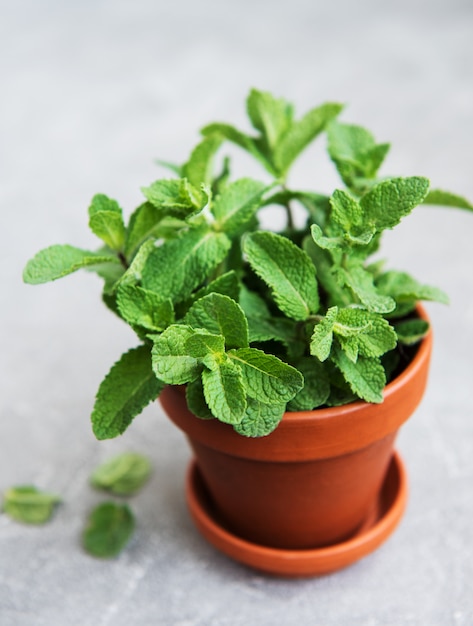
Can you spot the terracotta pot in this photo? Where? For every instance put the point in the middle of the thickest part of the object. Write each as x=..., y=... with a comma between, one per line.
x=314, y=481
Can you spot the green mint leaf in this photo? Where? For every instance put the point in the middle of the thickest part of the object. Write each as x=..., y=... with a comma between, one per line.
x=287, y=270
x=224, y=392
x=144, y=308
x=365, y=333
x=133, y=274
x=389, y=201
x=220, y=315
x=122, y=475
x=326, y=275
x=123, y=394
x=270, y=115
x=199, y=168
x=109, y=529
x=196, y=400
x=360, y=281
x=171, y=361
x=355, y=154
x=345, y=210
x=227, y=284
x=177, y=267
x=366, y=377
x=446, y=198
x=265, y=377
x=404, y=288
x=316, y=388
x=176, y=197
x=272, y=329
x=336, y=244
x=29, y=505
x=411, y=331
x=301, y=133
x=240, y=139
x=60, y=260
x=208, y=348
x=322, y=337
x=237, y=204
x=144, y=224
x=260, y=419
x=106, y=221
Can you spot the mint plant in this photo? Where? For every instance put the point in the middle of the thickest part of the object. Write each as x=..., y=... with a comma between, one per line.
x=255, y=322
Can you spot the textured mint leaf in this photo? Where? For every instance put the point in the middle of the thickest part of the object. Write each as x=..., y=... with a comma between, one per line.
x=366, y=377
x=240, y=139
x=267, y=378
x=252, y=304
x=345, y=210
x=301, y=133
x=175, y=196
x=227, y=284
x=273, y=329
x=353, y=321
x=144, y=224
x=29, y=505
x=220, y=315
x=322, y=337
x=446, y=198
x=365, y=333
x=106, y=221
x=109, y=227
x=326, y=275
x=355, y=154
x=287, y=270
x=196, y=400
x=109, y=528
x=224, y=392
x=237, y=204
x=134, y=273
x=271, y=116
x=260, y=419
x=177, y=267
x=144, y=308
x=335, y=244
x=411, y=331
x=123, y=394
x=123, y=475
x=316, y=388
x=60, y=260
x=171, y=361
x=404, y=288
x=199, y=168
x=389, y=201
x=208, y=348
x=360, y=281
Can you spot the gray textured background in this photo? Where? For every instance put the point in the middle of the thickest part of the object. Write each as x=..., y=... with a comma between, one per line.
x=91, y=93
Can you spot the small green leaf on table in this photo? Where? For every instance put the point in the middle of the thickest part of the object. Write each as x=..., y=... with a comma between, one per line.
x=122, y=475
x=29, y=505
x=109, y=528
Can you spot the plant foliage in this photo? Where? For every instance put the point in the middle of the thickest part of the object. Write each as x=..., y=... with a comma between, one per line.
x=256, y=322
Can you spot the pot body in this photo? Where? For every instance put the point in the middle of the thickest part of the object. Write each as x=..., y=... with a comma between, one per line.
x=314, y=481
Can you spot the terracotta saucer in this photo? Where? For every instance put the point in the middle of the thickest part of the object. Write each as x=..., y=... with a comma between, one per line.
x=379, y=525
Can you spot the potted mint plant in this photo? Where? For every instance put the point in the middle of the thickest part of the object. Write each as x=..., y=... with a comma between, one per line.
x=289, y=358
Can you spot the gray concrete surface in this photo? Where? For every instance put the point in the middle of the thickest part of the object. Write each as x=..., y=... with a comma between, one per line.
x=91, y=93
